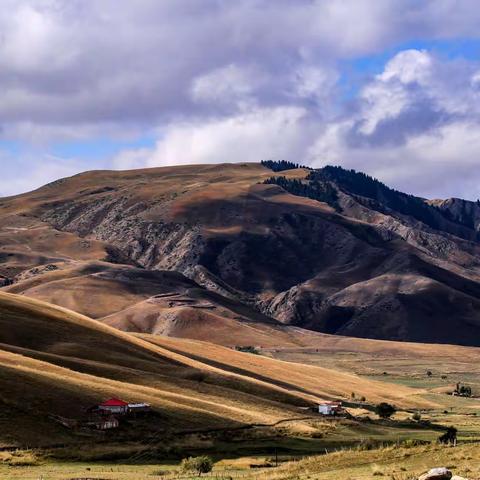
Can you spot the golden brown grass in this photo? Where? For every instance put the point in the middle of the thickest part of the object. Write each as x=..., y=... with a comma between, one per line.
x=319, y=381
x=54, y=361
x=393, y=463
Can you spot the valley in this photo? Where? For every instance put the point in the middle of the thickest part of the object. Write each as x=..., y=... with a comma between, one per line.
x=233, y=299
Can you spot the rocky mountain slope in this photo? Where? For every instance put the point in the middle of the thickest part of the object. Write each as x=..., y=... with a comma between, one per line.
x=328, y=250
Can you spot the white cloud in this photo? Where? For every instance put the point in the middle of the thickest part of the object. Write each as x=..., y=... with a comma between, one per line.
x=280, y=132
x=70, y=62
x=408, y=66
x=227, y=86
x=132, y=159
x=428, y=152
x=243, y=80
x=391, y=91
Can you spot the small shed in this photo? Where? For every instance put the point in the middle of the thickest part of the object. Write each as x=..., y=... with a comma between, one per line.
x=139, y=407
x=107, y=423
x=114, y=405
x=330, y=408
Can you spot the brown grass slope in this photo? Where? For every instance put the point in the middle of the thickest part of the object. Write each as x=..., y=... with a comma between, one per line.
x=161, y=302
x=54, y=361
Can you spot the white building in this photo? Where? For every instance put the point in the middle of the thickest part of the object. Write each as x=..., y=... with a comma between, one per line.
x=330, y=408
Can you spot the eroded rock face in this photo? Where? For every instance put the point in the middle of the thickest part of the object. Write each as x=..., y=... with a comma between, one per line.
x=465, y=211
x=156, y=245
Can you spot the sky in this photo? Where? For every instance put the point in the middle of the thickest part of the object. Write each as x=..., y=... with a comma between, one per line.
x=388, y=87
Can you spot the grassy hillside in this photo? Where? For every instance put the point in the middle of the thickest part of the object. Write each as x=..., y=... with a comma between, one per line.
x=159, y=302
x=54, y=361
x=432, y=370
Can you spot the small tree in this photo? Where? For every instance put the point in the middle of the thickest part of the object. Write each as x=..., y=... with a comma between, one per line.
x=450, y=436
x=463, y=390
x=416, y=416
x=466, y=391
x=429, y=373
x=203, y=464
x=247, y=349
x=385, y=410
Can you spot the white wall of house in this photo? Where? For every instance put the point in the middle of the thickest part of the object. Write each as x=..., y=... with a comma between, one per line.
x=114, y=409
x=326, y=409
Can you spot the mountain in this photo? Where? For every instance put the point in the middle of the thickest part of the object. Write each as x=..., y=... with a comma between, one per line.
x=461, y=211
x=256, y=250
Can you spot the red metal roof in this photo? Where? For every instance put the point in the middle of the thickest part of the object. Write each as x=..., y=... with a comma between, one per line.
x=114, y=402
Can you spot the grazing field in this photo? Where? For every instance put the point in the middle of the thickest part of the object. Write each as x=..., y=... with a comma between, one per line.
x=211, y=399
x=54, y=362
x=390, y=463
x=432, y=370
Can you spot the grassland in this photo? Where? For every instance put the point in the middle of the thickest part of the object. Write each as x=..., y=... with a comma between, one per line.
x=212, y=399
x=431, y=370
x=56, y=362
x=390, y=463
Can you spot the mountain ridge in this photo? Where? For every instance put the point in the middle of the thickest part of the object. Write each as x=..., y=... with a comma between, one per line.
x=382, y=264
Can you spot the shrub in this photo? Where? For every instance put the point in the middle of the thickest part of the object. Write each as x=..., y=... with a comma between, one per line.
x=195, y=376
x=385, y=410
x=160, y=473
x=367, y=444
x=202, y=464
x=429, y=373
x=463, y=390
x=247, y=349
x=413, y=442
x=26, y=459
x=416, y=416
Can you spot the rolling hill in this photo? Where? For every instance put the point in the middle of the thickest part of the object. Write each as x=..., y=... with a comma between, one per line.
x=54, y=362
x=195, y=250
x=141, y=300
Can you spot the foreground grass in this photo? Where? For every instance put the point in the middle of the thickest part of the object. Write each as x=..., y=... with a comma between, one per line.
x=392, y=463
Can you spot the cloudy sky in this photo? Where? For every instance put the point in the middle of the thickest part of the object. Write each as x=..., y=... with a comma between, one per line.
x=389, y=87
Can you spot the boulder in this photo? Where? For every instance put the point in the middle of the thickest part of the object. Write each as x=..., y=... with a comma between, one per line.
x=441, y=473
